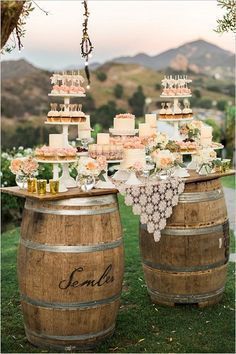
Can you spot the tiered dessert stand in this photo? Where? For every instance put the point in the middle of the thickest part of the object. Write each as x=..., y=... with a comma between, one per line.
x=182, y=172
x=66, y=181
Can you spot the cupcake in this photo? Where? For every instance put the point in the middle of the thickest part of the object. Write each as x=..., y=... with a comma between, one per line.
x=162, y=112
x=65, y=114
x=70, y=153
x=177, y=112
x=61, y=154
x=49, y=153
x=169, y=112
x=39, y=153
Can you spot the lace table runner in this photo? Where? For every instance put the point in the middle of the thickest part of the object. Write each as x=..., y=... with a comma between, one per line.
x=153, y=201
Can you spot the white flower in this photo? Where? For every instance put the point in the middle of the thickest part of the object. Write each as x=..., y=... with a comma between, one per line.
x=155, y=198
x=135, y=191
x=144, y=218
x=149, y=190
x=156, y=216
x=136, y=209
x=150, y=227
x=149, y=208
x=169, y=194
x=181, y=188
x=168, y=212
x=157, y=236
x=162, y=187
x=162, y=205
x=128, y=200
x=143, y=199
x=162, y=224
x=175, y=200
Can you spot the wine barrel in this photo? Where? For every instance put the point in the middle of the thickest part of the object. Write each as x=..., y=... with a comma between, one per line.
x=189, y=263
x=70, y=271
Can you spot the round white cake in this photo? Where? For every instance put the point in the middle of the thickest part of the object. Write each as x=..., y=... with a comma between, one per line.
x=132, y=156
x=124, y=122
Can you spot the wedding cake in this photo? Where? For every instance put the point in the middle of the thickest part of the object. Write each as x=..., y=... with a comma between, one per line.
x=133, y=155
x=124, y=122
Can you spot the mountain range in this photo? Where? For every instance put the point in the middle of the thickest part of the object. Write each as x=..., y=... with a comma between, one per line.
x=198, y=56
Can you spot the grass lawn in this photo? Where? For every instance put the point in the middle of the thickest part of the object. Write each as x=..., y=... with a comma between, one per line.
x=228, y=181
x=141, y=326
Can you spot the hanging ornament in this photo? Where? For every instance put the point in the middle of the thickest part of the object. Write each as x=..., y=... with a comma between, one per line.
x=86, y=44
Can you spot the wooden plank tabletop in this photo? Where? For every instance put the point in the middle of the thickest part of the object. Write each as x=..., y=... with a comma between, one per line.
x=77, y=193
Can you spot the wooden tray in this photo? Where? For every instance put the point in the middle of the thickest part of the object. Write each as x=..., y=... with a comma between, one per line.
x=77, y=193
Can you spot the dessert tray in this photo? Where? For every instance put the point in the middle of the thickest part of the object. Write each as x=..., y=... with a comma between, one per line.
x=56, y=161
x=175, y=119
x=65, y=123
x=67, y=94
x=176, y=96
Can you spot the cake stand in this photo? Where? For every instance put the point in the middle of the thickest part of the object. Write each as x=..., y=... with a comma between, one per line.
x=123, y=132
x=65, y=181
x=176, y=121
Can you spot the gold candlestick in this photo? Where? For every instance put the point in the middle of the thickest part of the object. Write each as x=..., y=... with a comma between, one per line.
x=54, y=186
x=41, y=186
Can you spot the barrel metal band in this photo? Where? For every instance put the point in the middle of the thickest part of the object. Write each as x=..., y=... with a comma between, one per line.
x=185, y=269
x=70, y=306
x=70, y=338
x=71, y=249
x=201, y=196
x=183, y=298
x=172, y=231
x=71, y=212
x=91, y=201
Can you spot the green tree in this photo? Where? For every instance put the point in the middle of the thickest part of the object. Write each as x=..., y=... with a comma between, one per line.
x=206, y=103
x=157, y=87
x=101, y=76
x=88, y=103
x=221, y=105
x=118, y=91
x=137, y=102
x=197, y=93
x=104, y=114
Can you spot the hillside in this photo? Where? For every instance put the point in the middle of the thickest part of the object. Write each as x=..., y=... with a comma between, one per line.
x=199, y=56
x=26, y=92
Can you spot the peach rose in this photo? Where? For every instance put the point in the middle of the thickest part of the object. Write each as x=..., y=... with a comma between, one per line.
x=15, y=166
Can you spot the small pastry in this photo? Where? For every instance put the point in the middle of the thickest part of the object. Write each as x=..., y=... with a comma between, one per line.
x=65, y=113
x=177, y=112
x=169, y=112
x=162, y=112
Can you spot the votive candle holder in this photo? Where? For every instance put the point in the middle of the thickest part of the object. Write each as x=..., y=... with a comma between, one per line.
x=32, y=185
x=41, y=186
x=54, y=186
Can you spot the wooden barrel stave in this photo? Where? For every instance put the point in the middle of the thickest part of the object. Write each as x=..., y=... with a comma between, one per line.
x=70, y=269
x=189, y=263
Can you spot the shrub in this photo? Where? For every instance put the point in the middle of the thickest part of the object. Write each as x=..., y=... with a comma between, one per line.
x=137, y=102
x=118, y=91
x=101, y=76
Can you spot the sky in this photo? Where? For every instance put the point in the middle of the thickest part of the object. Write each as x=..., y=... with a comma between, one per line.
x=117, y=28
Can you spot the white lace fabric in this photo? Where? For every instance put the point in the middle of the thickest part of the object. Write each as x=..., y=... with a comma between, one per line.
x=153, y=201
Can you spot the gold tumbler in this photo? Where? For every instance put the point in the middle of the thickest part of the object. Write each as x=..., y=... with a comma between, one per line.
x=41, y=186
x=32, y=185
x=54, y=186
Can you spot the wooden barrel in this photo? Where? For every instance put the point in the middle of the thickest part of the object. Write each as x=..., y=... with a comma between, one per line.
x=70, y=271
x=189, y=263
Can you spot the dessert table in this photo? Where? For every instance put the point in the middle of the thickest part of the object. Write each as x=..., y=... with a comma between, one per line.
x=71, y=260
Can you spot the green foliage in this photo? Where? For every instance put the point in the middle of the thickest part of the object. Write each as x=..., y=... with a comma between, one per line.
x=104, y=114
x=221, y=105
x=217, y=134
x=137, y=102
x=206, y=103
x=230, y=130
x=88, y=103
x=118, y=91
x=197, y=93
x=228, y=22
x=101, y=76
x=157, y=87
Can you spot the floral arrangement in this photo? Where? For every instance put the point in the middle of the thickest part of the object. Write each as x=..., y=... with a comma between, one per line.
x=191, y=130
x=92, y=167
x=157, y=141
x=166, y=160
x=206, y=159
x=25, y=166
